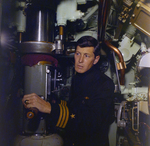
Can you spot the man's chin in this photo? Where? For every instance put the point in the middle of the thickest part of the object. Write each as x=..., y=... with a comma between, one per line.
x=80, y=71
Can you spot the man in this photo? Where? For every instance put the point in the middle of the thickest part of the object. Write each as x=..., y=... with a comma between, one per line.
x=88, y=114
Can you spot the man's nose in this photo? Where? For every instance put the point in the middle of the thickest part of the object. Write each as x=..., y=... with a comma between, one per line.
x=81, y=59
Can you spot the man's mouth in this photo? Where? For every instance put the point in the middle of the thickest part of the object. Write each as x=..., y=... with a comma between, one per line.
x=79, y=66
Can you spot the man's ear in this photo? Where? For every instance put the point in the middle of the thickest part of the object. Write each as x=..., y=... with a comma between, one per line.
x=96, y=59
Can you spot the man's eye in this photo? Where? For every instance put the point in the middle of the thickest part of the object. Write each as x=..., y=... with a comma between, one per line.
x=87, y=56
x=77, y=53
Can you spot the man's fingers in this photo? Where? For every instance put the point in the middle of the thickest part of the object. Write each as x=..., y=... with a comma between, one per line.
x=27, y=97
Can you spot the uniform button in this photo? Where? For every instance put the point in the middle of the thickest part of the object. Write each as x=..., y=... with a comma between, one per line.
x=86, y=97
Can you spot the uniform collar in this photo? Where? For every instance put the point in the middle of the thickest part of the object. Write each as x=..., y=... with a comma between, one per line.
x=87, y=72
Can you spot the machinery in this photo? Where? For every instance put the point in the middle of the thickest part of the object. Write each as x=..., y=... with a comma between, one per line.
x=37, y=47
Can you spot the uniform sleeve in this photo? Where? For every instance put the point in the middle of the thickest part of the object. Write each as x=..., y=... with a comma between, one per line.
x=59, y=114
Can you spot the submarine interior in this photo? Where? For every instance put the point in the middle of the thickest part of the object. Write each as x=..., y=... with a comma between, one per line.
x=37, y=46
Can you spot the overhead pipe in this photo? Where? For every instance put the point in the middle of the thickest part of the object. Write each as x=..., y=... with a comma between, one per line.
x=104, y=7
x=103, y=11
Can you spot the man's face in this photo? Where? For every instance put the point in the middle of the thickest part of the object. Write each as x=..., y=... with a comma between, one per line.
x=84, y=59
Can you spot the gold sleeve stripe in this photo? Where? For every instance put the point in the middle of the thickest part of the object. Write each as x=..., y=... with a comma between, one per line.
x=60, y=116
x=67, y=117
x=63, y=102
x=64, y=116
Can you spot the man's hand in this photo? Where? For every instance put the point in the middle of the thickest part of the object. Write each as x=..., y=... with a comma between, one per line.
x=33, y=100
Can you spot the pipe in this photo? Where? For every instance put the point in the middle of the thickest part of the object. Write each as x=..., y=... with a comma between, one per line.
x=121, y=123
x=61, y=32
x=122, y=68
x=104, y=7
x=91, y=12
x=20, y=37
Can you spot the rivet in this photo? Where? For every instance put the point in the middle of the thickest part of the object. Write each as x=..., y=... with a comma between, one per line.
x=138, y=5
x=133, y=15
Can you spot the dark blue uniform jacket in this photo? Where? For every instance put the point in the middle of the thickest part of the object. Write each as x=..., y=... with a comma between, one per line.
x=90, y=111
